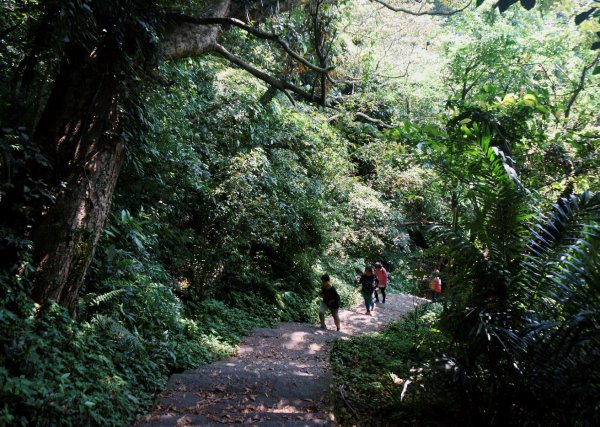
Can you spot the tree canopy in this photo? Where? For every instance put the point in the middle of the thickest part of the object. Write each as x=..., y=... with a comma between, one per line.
x=174, y=174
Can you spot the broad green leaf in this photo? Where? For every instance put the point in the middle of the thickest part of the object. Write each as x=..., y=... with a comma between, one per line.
x=530, y=99
x=509, y=99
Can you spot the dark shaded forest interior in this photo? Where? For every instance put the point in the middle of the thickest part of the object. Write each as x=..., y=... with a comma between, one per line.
x=175, y=174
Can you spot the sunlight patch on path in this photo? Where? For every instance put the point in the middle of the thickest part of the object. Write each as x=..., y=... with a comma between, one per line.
x=280, y=376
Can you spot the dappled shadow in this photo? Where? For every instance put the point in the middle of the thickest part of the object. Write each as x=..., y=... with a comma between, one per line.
x=279, y=376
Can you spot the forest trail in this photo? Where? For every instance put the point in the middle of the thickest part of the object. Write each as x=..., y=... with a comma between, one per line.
x=280, y=376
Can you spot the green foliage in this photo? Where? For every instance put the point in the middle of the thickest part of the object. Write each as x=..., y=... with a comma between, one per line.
x=494, y=313
x=384, y=376
x=229, y=209
x=54, y=371
x=270, y=186
x=518, y=328
x=491, y=56
x=99, y=370
x=517, y=343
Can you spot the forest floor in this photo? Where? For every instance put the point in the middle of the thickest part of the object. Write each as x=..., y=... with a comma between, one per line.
x=280, y=376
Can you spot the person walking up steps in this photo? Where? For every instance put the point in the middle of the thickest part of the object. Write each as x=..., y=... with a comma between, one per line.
x=381, y=275
x=367, y=282
x=331, y=302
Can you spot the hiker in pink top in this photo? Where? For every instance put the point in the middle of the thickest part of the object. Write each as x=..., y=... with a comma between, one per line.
x=381, y=275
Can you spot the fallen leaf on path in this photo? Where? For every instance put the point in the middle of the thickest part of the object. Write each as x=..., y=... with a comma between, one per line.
x=184, y=421
x=217, y=419
x=227, y=419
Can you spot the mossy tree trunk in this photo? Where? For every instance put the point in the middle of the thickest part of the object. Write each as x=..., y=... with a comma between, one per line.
x=79, y=133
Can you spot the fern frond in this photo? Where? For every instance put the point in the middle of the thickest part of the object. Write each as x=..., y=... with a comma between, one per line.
x=107, y=297
x=123, y=337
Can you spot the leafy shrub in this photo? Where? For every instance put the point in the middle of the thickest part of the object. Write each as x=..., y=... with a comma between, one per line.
x=99, y=371
x=230, y=324
x=383, y=378
x=54, y=372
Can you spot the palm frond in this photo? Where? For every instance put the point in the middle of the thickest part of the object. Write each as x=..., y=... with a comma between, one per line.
x=560, y=279
x=538, y=342
x=561, y=255
x=500, y=196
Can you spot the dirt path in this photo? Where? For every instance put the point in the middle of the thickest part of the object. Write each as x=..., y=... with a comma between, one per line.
x=279, y=377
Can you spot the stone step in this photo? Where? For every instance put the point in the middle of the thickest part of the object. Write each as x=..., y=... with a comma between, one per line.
x=285, y=384
x=279, y=378
x=266, y=420
x=204, y=408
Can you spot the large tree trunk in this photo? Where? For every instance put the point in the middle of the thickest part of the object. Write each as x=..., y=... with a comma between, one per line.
x=79, y=132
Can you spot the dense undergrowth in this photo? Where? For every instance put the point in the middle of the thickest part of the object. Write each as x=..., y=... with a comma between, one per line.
x=513, y=339
x=381, y=378
x=106, y=366
x=475, y=150
x=61, y=371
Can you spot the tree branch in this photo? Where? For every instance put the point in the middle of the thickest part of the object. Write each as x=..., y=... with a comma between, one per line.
x=261, y=75
x=580, y=85
x=217, y=20
x=188, y=39
x=411, y=12
x=362, y=117
x=268, y=95
x=195, y=36
x=348, y=404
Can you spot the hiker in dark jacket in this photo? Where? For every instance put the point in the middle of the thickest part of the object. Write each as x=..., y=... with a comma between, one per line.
x=367, y=283
x=331, y=302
